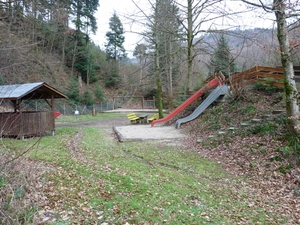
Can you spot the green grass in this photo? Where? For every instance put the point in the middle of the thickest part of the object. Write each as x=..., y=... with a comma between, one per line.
x=83, y=118
x=137, y=183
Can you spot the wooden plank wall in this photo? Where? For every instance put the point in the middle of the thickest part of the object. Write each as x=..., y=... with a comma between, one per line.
x=25, y=124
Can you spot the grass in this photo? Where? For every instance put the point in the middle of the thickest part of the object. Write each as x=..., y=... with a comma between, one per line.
x=102, y=180
x=83, y=118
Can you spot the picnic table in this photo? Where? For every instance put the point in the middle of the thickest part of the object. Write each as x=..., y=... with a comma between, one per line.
x=143, y=118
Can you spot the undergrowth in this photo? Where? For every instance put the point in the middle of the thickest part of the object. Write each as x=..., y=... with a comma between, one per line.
x=83, y=176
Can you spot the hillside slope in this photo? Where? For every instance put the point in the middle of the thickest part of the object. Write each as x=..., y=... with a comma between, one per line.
x=248, y=137
x=23, y=62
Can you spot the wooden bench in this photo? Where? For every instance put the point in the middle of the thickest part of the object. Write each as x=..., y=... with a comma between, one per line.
x=133, y=118
x=154, y=117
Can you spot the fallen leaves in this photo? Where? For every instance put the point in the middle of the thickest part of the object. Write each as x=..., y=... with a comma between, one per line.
x=270, y=180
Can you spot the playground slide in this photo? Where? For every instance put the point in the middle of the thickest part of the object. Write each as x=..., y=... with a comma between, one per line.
x=220, y=90
x=213, y=83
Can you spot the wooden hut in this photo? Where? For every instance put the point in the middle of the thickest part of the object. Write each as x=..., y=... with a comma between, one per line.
x=20, y=124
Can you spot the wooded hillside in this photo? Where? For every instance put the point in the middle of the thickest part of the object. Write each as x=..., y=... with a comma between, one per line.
x=37, y=44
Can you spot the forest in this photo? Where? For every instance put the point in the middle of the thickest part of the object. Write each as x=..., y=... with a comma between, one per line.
x=239, y=161
x=183, y=44
x=50, y=42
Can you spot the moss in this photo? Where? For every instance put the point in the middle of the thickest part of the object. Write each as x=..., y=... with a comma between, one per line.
x=288, y=88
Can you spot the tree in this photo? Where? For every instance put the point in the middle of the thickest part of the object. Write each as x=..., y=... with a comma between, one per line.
x=284, y=12
x=291, y=92
x=114, y=48
x=87, y=99
x=99, y=93
x=73, y=91
x=169, y=42
x=83, y=15
x=140, y=52
x=163, y=41
x=86, y=63
x=222, y=61
x=197, y=13
x=83, y=19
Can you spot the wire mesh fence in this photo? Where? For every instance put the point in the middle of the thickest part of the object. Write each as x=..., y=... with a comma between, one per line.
x=66, y=108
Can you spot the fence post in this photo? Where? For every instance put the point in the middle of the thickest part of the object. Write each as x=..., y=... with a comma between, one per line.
x=113, y=104
x=93, y=111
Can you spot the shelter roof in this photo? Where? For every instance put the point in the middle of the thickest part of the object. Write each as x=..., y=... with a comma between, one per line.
x=29, y=91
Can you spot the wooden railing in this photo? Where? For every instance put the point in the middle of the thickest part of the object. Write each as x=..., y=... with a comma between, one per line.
x=240, y=80
x=258, y=73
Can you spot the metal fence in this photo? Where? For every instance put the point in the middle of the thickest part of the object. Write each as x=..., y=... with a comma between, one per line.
x=83, y=109
x=65, y=108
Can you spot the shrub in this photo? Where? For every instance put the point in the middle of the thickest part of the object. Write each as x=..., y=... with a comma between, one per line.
x=266, y=86
x=87, y=98
x=99, y=93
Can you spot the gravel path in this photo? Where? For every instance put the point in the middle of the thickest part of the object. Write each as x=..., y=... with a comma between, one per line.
x=146, y=132
x=137, y=132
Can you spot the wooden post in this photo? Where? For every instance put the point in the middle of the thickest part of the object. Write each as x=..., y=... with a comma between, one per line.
x=18, y=105
x=52, y=103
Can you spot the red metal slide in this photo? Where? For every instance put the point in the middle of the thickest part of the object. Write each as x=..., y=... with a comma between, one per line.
x=213, y=83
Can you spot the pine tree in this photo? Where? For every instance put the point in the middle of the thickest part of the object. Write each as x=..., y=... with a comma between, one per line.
x=73, y=91
x=84, y=20
x=222, y=60
x=114, y=49
x=164, y=44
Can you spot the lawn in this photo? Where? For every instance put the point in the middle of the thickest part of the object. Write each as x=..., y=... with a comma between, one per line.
x=96, y=180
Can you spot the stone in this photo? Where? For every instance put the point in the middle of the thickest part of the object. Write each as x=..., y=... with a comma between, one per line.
x=278, y=111
x=256, y=120
x=245, y=124
x=199, y=141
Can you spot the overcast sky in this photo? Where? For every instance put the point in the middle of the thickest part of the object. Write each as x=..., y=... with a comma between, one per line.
x=122, y=8
x=126, y=8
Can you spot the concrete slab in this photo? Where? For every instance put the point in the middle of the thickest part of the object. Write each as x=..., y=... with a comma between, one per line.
x=146, y=132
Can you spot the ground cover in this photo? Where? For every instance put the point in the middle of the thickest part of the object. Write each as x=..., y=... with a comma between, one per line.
x=248, y=137
x=82, y=175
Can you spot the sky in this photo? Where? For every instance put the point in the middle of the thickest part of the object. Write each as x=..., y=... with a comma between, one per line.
x=126, y=8
x=122, y=8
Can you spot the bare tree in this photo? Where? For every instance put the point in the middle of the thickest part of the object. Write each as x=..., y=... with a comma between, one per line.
x=284, y=11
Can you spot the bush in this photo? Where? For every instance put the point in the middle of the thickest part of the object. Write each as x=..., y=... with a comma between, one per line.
x=99, y=93
x=266, y=86
x=112, y=82
x=73, y=90
x=87, y=98
x=267, y=128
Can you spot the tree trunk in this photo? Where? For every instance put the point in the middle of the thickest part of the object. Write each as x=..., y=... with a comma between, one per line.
x=190, y=45
x=171, y=71
x=159, y=86
x=74, y=57
x=291, y=92
x=158, y=73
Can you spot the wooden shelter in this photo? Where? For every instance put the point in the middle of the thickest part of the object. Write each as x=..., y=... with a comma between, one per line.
x=20, y=123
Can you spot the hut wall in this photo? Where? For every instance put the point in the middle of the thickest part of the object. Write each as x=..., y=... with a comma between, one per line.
x=24, y=124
